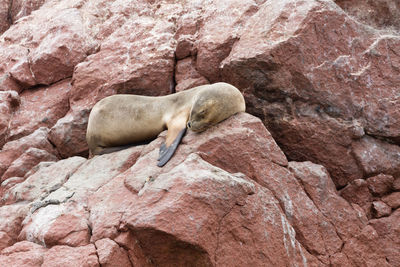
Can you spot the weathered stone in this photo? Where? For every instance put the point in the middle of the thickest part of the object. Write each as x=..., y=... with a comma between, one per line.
x=376, y=156
x=45, y=180
x=84, y=256
x=393, y=200
x=27, y=161
x=11, y=223
x=388, y=229
x=358, y=192
x=9, y=100
x=40, y=107
x=22, y=254
x=380, y=184
x=110, y=254
x=380, y=209
x=186, y=75
x=14, y=149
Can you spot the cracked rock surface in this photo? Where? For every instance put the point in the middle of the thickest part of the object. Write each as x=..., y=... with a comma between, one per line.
x=311, y=178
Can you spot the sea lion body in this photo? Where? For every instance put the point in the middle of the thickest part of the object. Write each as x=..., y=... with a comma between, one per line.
x=122, y=119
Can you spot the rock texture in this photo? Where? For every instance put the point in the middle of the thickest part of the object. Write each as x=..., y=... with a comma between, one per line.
x=320, y=187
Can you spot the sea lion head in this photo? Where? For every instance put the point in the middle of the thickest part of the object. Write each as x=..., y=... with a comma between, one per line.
x=208, y=109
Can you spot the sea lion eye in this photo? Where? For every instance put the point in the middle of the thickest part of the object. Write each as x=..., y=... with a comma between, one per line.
x=189, y=125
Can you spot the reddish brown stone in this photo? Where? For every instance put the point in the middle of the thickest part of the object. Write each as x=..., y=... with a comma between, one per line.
x=380, y=184
x=4, y=16
x=393, y=200
x=376, y=156
x=84, y=256
x=358, y=192
x=40, y=107
x=14, y=149
x=23, y=253
x=186, y=75
x=380, y=209
x=110, y=254
x=388, y=229
x=22, y=8
x=9, y=100
x=27, y=161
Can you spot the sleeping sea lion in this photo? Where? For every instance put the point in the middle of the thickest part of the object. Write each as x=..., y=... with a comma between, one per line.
x=120, y=120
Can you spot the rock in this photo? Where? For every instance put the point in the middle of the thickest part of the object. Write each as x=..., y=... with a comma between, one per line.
x=388, y=229
x=318, y=185
x=84, y=256
x=186, y=75
x=380, y=184
x=129, y=61
x=202, y=241
x=4, y=19
x=9, y=100
x=40, y=107
x=11, y=223
x=23, y=253
x=14, y=149
x=309, y=86
x=45, y=180
x=69, y=134
x=393, y=200
x=376, y=156
x=358, y=192
x=110, y=254
x=22, y=8
x=57, y=224
x=29, y=159
x=380, y=209
x=54, y=43
x=381, y=14
x=366, y=249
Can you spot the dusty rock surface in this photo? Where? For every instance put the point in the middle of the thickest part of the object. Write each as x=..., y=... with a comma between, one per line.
x=320, y=187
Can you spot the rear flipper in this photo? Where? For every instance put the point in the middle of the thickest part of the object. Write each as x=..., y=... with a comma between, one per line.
x=166, y=153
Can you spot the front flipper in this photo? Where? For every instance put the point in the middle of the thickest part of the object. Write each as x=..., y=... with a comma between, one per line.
x=167, y=152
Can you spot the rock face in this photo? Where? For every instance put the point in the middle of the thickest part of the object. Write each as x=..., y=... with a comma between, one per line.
x=320, y=187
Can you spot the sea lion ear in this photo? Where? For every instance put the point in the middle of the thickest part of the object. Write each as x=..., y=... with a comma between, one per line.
x=166, y=153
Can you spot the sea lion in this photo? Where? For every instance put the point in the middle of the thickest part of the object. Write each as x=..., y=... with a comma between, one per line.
x=119, y=120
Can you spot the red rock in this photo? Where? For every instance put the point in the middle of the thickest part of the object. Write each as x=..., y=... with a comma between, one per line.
x=380, y=209
x=393, y=200
x=69, y=134
x=138, y=66
x=380, y=14
x=186, y=75
x=207, y=240
x=56, y=42
x=40, y=107
x=110, y=254
x=14, y=149
x=185, y=47
x=84, y=256
x=23, y=254
x=256, y=155
x=318, y=185
x=26, y=161
x=376, y=156
x=388, y=229
x=396, y=184
x=44, y=180
x=222, y=23
x=308, y=84
x=380, y=184
x=4, y=19
x=366, y=249
x=22, y=8
x=9, y=100
x=358, y=192
x=57, y=225
x=11, y=223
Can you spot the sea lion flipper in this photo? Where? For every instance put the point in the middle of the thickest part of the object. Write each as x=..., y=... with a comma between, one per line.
x=163, y=148
x=170, y=150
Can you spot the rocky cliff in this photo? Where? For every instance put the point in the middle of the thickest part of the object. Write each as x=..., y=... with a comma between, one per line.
x=320, y=187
